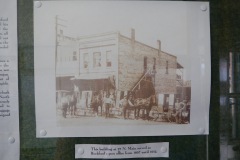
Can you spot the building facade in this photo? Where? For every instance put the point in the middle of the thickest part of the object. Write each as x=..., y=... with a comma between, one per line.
x=116, y=64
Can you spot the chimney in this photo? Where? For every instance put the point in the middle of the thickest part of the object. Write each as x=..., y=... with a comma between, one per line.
x=159, y=45
x=133, y=35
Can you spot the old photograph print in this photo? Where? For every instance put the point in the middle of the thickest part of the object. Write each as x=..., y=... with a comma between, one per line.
x=108, y=77
x=121, y=68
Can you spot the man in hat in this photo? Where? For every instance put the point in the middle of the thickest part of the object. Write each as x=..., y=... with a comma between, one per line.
x=65, y=104
x=131, y=105
x=108, y=104
x=124, y=104
x=181, y=107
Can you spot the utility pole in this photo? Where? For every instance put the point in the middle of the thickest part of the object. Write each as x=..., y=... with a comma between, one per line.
x=57, y=24
x=56, y=44
x=56, y=48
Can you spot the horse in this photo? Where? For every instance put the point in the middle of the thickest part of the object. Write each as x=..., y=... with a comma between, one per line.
x=144, y=104
x=72, y=104
x=65, y=105
x=95, y=104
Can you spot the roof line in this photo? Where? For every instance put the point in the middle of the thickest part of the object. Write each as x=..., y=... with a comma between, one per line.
x=96, y=35
x=148, y=45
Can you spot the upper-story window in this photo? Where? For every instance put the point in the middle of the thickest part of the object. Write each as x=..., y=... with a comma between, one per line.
x=97, y=59
x=85, y=60
x=154, y=63
x=145, y=63
x=109, y=58
x=61, y=32
x=166, y=67
x=74, y=58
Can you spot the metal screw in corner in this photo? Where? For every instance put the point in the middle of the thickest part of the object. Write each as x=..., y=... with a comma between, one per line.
x=11, y=140
x=43, y=132
x=80, y=151
x=38, y=4
x=201, y=130
x=203, y=7
x=163, y=149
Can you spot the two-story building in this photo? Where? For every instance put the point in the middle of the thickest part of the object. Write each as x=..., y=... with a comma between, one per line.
x=114, y=63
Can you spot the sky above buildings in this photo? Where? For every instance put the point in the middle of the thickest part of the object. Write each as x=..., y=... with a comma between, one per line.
x=150, y=20
x=171, y=22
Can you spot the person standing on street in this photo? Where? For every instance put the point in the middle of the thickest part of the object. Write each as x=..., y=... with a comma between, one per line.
x=124, y=104
x=108, y=104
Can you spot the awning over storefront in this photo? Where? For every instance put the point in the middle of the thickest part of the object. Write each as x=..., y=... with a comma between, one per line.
x=94, y=82
x=64, y=84
x=92, y=76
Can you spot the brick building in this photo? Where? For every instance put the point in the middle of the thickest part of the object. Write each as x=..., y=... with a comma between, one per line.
x=112, y=62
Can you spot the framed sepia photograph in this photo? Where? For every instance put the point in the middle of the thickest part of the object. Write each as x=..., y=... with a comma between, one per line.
x=121, y=68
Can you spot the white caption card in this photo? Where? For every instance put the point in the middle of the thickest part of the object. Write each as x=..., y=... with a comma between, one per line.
x=98, y=151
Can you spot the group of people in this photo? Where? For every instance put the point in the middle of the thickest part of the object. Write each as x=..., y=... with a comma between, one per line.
x=180, y=111
x=126, y=105
x=69, y=104
x=101, y=100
